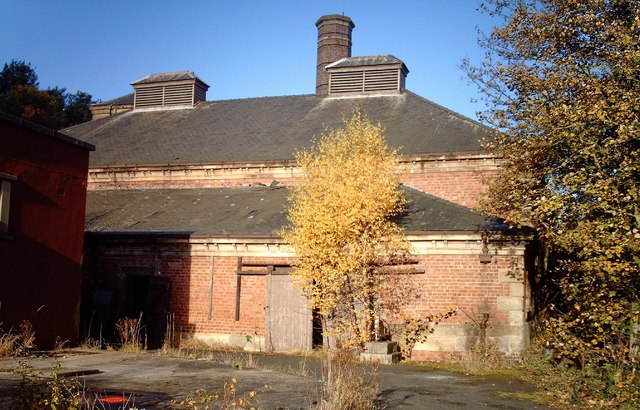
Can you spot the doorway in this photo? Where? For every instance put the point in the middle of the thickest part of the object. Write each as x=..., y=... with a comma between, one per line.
x=148, y=300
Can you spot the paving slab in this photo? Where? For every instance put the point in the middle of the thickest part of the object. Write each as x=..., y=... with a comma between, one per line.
x=150, y=380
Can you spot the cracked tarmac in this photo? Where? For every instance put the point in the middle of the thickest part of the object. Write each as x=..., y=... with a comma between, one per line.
x=149, y=380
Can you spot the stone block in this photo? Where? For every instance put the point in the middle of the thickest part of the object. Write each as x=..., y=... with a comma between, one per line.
x=381, y=347
x=516, y=289
x=516, y=318
x=381, y=358
x=507, y=303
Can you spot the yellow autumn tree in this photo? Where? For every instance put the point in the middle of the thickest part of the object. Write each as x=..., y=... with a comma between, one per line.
x=342, y=229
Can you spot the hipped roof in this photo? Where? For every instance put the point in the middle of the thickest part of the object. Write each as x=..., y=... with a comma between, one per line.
x=270, y=128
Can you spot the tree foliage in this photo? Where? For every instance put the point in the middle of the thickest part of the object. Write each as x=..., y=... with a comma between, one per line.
x=342, y=230
x=561, y=79
x=53, y=107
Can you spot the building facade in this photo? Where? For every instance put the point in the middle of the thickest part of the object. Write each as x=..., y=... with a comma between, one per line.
x=187, y=196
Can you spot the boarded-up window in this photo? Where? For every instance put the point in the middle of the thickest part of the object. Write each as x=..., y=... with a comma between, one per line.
x=5, y=200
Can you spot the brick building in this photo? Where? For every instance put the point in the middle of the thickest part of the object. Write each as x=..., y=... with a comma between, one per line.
x=43, y=185
x=186, y=197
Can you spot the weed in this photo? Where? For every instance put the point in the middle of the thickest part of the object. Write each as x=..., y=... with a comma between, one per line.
x=53, y=392
x=229, y=399
x=56, y=393
x=9, y=344
x=192, y=348
x=346, y=386
x=27, y=335
x=484, y=357
x=60, y=344
x=129, y=334
x=17, y=344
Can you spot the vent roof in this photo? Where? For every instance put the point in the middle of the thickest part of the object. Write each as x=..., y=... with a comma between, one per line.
x=366, y=75
x=165, y=77
x=387, y=59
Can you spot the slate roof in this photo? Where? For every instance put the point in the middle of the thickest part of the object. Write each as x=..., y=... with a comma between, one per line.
x=270, y=128
x=164, y=77
x=366, y=61
x=244, y=211
x=122, y=100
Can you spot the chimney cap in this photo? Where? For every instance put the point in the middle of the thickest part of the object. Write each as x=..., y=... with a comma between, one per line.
x=339, y=17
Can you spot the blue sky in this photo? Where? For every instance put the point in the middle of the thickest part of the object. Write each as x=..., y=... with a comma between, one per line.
x=241, y=48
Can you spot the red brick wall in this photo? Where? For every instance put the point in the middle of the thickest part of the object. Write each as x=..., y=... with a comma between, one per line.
x=461, y=281
x=462, y=187
x=449, y=281
x=461, y=181
x=191, y=298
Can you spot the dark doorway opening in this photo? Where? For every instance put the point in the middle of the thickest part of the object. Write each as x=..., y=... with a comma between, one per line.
x=316, y=332
x=148, y=301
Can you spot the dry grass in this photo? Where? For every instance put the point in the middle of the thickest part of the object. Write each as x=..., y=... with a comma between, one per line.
x=9, y=344
x=129, y=335
x=347, y=384
x=18, y=344
x=482, y=360
x=195, y=349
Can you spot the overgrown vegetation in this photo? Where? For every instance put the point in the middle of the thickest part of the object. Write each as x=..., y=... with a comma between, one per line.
x=130, y=334
x=228, y=399
x=40, y=391
x=348, y=385
x=562, y=84
x=21, y=343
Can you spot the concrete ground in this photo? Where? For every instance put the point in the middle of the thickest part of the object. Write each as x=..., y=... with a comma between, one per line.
x=153, y=381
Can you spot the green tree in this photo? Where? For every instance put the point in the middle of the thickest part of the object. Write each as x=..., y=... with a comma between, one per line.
x=77, y=108
x=17, y=73
x=561, y=80
x=53, y=107
x=342, y=230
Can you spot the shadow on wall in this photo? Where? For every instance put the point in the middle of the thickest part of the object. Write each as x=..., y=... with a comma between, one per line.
x=42, y=286
x=134, y=277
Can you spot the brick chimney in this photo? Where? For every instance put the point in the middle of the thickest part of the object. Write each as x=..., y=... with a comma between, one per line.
x=334, y=43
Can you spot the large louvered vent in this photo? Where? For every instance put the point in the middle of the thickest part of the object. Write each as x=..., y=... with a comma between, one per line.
x=169, y=90
x=366, y=75
x=178, y=94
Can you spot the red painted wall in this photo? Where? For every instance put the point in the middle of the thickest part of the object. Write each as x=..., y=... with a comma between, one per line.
x=40, y=258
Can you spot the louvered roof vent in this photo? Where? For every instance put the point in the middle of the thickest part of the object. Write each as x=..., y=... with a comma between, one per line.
x=372, y=74
x=179, y=89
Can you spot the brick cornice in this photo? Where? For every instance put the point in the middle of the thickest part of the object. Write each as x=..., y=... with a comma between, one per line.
x=249, y=173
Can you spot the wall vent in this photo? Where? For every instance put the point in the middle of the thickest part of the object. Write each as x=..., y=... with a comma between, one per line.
x=169, y=90
x=367, y=75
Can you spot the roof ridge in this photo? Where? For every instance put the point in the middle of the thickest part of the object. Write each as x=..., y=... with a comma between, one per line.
x=439, y=199
x=449, y=110
x=262, y=98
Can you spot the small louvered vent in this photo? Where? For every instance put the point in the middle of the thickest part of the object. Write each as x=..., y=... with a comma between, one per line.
x=364, y=81
x=366, y=75
x=181, y=89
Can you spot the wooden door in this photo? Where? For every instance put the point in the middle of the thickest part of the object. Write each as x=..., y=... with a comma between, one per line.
x=289, y=323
